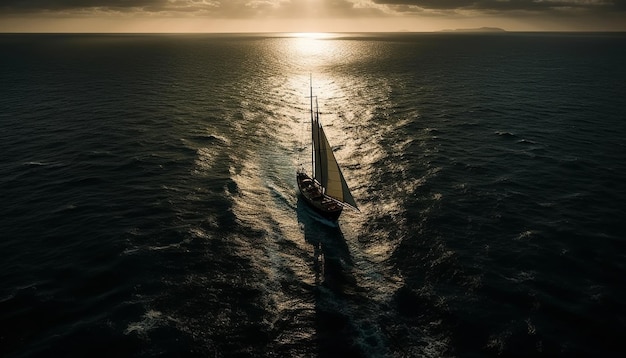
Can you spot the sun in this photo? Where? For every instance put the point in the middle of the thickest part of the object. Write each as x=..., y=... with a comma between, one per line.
x=313, y=35
x=313, y=47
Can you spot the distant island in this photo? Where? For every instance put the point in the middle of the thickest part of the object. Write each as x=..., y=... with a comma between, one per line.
x=479, y=29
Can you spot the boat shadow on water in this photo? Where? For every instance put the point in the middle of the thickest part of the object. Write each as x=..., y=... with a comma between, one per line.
x=335, y=284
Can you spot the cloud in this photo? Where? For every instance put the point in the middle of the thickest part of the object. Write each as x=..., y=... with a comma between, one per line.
x=366, y=15
x=289, y=8
x=212, y=8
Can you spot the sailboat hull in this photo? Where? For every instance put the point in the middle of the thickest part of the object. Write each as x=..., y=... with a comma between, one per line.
x=312, y=194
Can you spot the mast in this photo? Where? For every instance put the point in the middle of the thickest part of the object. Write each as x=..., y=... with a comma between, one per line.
x=316, y=148
x=312, y=130
x=318, y=153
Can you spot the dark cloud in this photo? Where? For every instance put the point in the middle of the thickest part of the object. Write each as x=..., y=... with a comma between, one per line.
x=510, y=5
x=61, y=5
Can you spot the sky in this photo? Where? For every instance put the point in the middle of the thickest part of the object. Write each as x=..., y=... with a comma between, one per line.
x=235, y=16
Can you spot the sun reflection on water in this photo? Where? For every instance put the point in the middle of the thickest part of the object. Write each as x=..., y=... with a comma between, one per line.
x=314, y=35
x=357, y=120
x=312, y=50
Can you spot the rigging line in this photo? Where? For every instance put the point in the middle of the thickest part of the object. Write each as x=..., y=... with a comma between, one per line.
x=343, y=204
x=302, y=144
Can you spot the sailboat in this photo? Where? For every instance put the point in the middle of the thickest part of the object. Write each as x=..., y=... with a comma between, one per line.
x=326, y=190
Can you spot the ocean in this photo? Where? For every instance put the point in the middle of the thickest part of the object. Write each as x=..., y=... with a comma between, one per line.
x=150, y=207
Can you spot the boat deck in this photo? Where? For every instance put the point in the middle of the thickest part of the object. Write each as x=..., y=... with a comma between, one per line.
x=312, y=193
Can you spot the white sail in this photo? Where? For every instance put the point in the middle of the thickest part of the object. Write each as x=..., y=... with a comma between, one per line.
x=329, y=173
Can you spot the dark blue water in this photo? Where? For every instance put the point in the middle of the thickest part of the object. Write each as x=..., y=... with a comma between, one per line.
x=149, y=204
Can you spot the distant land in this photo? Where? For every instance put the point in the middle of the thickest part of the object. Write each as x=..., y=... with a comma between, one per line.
x=479, y=29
